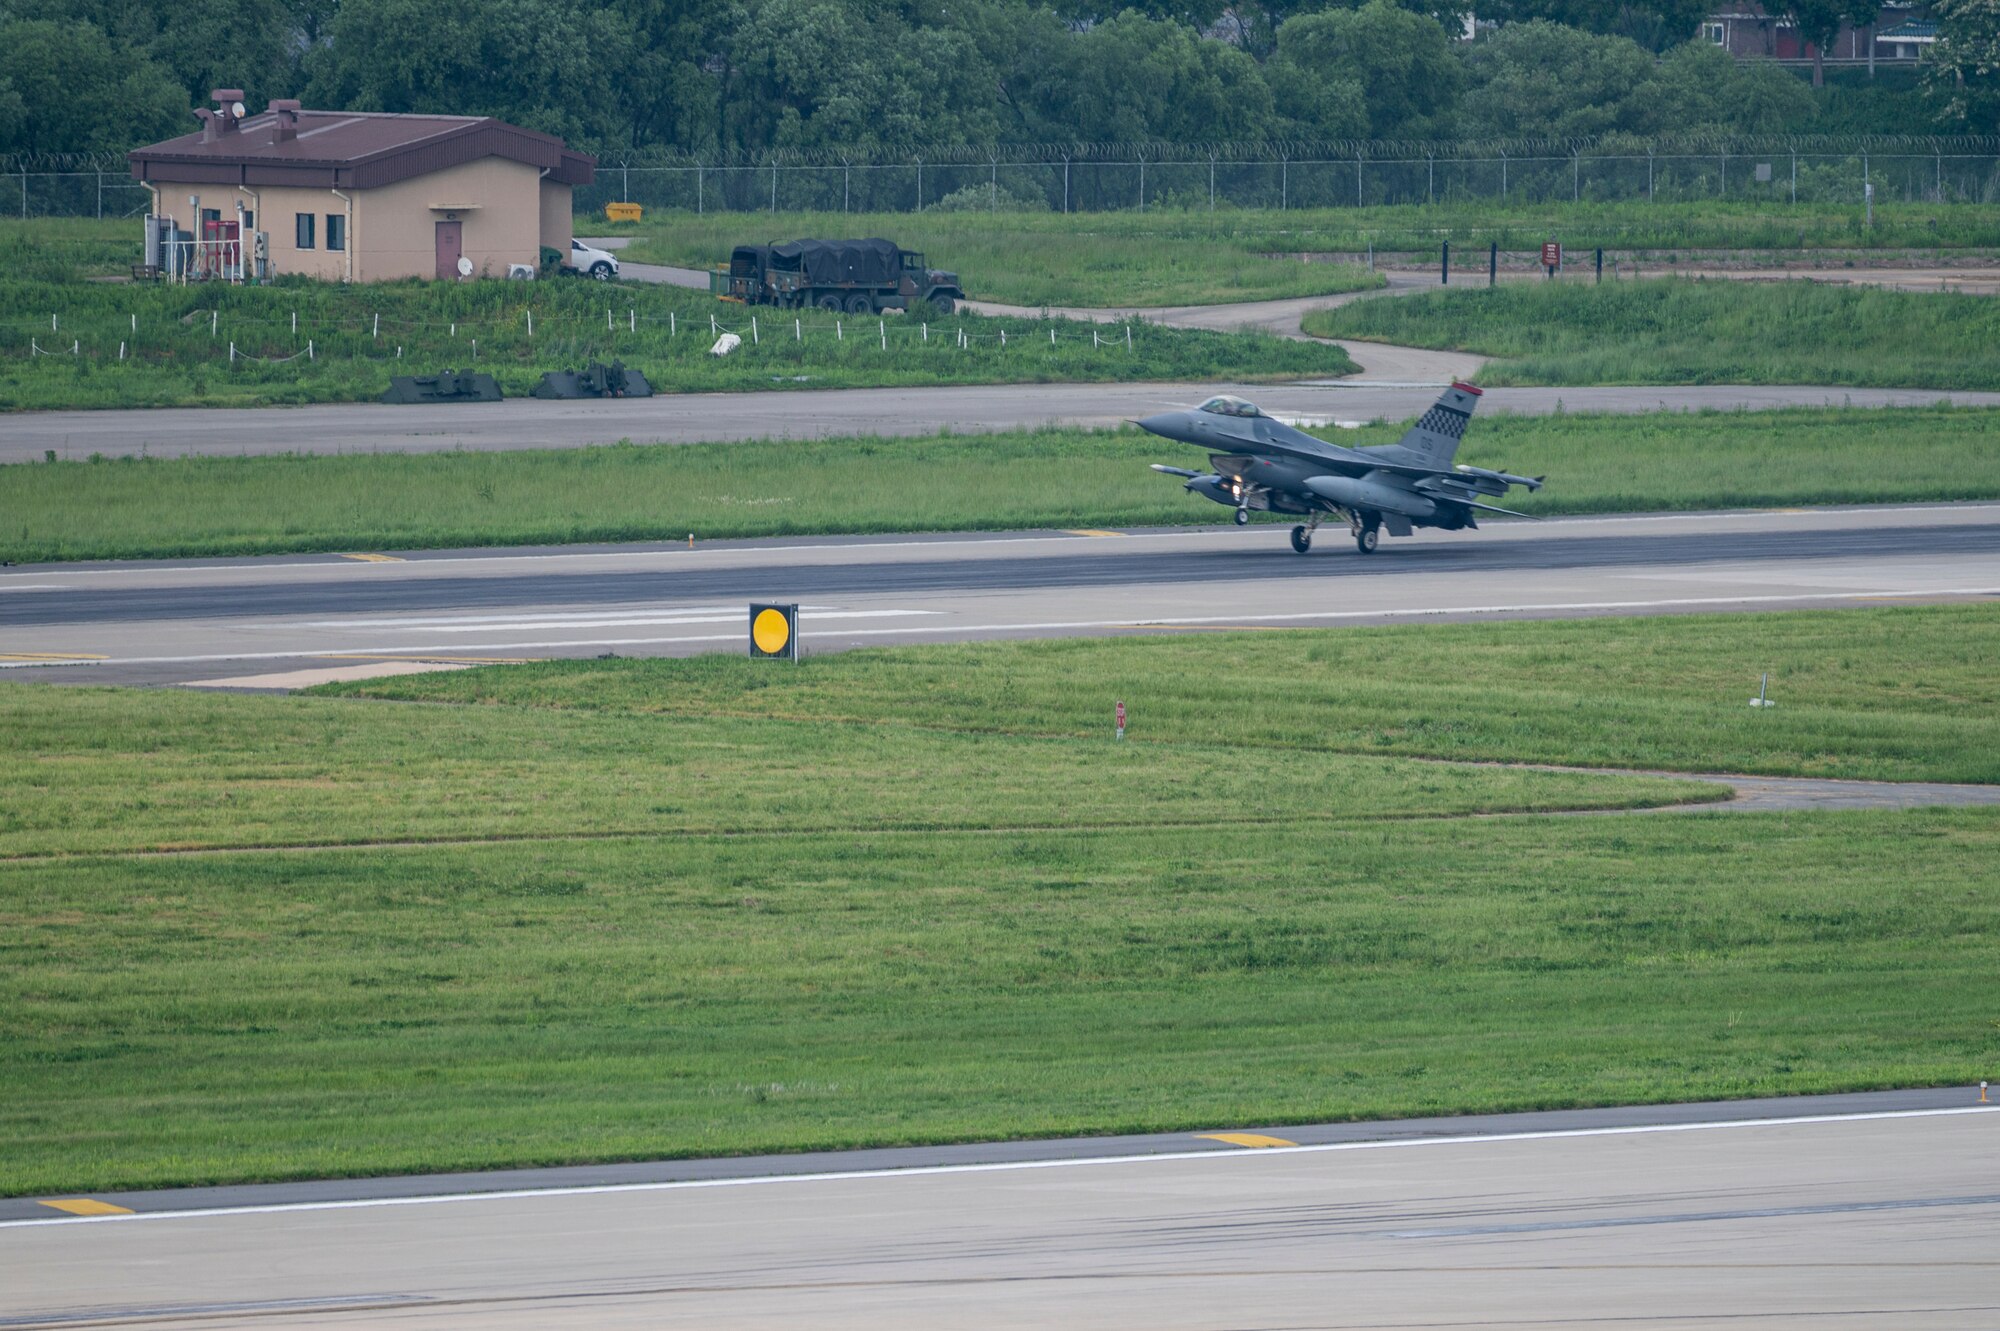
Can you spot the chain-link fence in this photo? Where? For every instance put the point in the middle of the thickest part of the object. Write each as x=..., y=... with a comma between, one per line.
x=1115, y=177
x=1109, y=177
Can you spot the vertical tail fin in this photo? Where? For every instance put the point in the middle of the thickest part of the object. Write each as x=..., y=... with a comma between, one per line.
x=1434, y=438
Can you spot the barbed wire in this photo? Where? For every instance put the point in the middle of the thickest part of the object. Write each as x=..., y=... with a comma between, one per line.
x=1056, y=153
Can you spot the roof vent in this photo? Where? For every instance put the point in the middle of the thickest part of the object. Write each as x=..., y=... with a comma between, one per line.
x=284, y=120
x=226, y=116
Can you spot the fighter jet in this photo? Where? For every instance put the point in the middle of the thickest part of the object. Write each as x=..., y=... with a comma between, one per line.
x=1265, y=465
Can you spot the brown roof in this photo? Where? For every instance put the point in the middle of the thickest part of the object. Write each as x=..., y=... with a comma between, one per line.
x=352, y=149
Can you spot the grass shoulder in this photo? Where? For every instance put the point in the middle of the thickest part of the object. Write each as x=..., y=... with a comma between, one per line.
x=1052, y=478
x=1680, y=331
x=613, y=910
x=87, y=344
x=1894, y=694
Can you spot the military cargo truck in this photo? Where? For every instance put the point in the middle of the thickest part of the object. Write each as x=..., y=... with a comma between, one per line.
x=858, y=276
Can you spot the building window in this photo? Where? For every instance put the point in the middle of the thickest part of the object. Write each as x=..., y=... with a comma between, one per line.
x=304, y=238
x=336, y=231
x=1715, y=33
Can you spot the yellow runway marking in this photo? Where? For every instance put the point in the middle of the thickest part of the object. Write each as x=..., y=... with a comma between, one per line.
x=374, y=559
x=50, y=656
x=84, y=1206
x=1090, y=531
x=1250, y=1139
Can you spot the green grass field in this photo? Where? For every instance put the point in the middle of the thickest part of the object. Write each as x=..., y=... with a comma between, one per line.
x=1172, y=257
x=1676, y=331
x=1901, y=694
x=683, y=908
x=1046, y=478
x=298, y=341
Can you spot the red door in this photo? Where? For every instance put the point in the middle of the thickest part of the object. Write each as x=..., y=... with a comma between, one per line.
x=449, y=247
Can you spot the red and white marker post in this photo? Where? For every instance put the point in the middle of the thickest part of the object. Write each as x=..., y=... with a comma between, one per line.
x=1121, y=720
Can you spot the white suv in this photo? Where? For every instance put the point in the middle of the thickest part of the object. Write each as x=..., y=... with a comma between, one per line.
x=595, y=262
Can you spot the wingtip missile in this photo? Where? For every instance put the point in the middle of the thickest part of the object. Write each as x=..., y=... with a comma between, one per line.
x=1165, y=470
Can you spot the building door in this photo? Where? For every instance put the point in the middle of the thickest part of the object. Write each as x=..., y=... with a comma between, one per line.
x=450, y=244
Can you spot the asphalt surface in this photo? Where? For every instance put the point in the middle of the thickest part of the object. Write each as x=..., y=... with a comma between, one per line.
x=1873, y=1211
x=216, y=619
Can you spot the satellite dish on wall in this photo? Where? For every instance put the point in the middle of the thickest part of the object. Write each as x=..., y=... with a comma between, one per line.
x=464, y=266
x=236, y=109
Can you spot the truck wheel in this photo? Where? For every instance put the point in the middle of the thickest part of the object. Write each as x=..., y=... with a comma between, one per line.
x=942, y=302
x=859, y=303
x=830, y=301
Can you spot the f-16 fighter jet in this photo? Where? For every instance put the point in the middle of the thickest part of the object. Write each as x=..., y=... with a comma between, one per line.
x=1264, y=464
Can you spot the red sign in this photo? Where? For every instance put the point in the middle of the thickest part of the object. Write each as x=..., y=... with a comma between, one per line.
x=1552, y=254
x=1121, y=716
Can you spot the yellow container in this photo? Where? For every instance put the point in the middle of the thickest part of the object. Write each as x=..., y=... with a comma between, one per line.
x=622, y=212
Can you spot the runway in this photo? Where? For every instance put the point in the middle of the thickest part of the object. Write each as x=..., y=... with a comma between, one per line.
x=1662, y=1219
x=262, y=620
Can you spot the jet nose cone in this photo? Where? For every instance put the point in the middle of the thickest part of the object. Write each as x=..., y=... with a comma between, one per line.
x=1168, y=424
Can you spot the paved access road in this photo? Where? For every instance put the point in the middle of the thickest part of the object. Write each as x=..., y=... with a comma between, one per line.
x=1797, y=1215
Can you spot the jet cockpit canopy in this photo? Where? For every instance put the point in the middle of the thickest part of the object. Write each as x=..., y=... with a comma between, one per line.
x=1225, y=405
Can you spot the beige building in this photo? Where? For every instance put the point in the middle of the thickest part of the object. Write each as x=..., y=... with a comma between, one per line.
x=360, y=196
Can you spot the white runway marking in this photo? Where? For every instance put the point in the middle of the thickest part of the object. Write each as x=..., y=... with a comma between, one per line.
x=1194, y=621
x=610, y=618
x=1010, y=1166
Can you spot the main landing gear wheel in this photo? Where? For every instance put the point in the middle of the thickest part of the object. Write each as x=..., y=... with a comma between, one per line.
x=1302, y=540
x=1367, y=539
x=1242, y=516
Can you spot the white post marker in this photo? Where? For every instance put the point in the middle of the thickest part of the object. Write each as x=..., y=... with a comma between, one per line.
x=755, y=340
x=1763, y=692
x=798, y=331
x=531, y=322
x=882, y=330
x=1121, y=720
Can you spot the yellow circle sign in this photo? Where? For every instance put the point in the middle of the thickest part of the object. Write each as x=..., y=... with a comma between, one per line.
x=770, y=632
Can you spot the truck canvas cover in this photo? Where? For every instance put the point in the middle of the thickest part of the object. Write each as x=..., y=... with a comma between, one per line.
x=828, y=262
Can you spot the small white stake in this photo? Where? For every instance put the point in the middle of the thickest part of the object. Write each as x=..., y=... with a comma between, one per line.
x=755, y=340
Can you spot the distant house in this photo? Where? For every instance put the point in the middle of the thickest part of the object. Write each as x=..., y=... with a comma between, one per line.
x=360, y=196
x=1747, y=31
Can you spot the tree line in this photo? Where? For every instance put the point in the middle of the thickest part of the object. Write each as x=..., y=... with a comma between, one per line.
x=707, y=76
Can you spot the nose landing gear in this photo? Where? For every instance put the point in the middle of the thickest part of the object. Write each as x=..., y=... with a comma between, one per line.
x=1242, y=516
